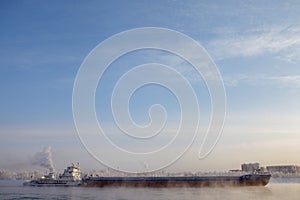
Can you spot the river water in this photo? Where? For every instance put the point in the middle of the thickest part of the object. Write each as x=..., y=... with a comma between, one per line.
x=277, y=189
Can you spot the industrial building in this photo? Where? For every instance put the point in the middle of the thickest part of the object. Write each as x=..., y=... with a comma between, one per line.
x=285, y=169
x=250, y=167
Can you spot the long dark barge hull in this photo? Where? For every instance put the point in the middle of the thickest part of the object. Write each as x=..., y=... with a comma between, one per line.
x=193, y=181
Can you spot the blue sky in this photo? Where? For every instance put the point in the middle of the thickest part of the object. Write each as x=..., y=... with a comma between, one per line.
x=255, y=45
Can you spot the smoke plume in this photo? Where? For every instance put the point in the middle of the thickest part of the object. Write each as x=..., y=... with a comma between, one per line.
x=44, y=158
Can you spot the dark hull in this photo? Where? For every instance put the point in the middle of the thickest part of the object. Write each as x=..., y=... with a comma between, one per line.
x=195, y=181
x=52, y=183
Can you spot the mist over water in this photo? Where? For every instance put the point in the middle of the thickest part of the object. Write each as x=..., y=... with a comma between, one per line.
x=274, y=190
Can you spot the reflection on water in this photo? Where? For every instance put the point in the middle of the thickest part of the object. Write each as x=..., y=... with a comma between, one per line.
x=15, y=190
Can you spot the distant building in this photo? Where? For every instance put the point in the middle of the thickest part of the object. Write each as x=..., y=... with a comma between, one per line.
x=235, y=170
x=250, y=167
x=285, y=169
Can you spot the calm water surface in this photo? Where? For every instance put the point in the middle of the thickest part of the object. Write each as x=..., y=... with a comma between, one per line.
x=276, y=189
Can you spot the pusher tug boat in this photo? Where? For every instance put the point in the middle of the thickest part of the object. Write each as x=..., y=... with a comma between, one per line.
x=70, y=177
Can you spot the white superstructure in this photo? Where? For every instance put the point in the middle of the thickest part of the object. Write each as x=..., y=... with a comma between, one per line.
x=70, y=177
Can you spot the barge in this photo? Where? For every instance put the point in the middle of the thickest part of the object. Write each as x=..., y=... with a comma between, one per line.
x=179, y=181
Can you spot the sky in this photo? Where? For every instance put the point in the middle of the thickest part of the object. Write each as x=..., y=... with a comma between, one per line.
x=255, y=45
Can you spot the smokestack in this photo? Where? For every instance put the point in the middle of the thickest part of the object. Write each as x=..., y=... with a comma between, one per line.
x=44, y=159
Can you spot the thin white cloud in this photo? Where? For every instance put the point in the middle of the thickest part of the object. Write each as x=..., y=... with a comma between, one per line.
x=179, y=64
x=31, y=60
x=235, y=80
x=290, y=55
x=257, y=42
x=291, y=81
